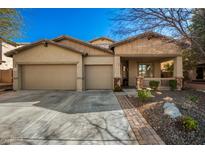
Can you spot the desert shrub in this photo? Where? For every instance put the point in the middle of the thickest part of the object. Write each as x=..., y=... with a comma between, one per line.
x=154, y=84
x=117, y=88
x=172, y=84
x=193, y=99
x=188, y=123
x=144, y=94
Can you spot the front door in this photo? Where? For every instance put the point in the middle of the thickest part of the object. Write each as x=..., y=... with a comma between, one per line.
x=125, y=70
x=199, y=72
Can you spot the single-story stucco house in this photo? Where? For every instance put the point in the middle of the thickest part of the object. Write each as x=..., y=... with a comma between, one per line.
x=66, y=63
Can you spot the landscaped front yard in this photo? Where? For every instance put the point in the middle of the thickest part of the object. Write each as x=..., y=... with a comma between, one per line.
x=189, y=102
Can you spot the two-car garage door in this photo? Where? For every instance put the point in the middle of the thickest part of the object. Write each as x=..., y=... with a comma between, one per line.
x=56, y=77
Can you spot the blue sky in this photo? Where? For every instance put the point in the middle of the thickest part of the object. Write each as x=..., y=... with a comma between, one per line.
x=84, y=24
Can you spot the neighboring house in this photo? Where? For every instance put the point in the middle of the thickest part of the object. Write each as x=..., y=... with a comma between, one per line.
x=5, y=46
x=198, y=74
x=6, y=64
x=200, y=69
x=67, y=63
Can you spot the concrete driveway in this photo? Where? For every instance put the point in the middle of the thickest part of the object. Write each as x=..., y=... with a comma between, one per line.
x=62, y=117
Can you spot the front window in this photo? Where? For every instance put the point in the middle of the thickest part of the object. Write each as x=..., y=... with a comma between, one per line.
x=145, y=70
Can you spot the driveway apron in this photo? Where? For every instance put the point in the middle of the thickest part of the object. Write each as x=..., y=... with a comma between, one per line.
x=63, y=117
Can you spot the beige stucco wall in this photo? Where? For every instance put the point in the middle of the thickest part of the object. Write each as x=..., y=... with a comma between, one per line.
x=50, y=54
x=147, y=47
x=46, y=55
x=91, y=51
x=102, y=60
x=8, y=64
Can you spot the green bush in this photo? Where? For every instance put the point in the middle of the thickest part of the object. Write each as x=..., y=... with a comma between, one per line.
x=154, y=84
x=117, y=88
x=188, y=123
x=144, y=94
x=193, y=99
x=172, y=84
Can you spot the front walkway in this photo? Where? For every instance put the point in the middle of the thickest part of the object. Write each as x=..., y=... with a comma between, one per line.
x=144, y=133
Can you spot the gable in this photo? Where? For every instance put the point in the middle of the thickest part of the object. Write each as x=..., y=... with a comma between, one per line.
x=102, y=40
x=45, y=43
x=91, y=51
x=49, y=54
x=148, y=46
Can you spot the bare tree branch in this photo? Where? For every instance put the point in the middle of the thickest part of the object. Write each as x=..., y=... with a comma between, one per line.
x=175, y=22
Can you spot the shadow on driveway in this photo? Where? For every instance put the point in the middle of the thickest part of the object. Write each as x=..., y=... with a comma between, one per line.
x=91, y=117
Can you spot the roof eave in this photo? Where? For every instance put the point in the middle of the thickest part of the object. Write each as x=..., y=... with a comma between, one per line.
x=101, y=38
x=141, y=36
x=9, y=42
x=15, y=51
x=81, y=42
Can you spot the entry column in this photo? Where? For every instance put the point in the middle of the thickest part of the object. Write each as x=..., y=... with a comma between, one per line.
x=80, y=75
x=117, y=73
x=178, y=71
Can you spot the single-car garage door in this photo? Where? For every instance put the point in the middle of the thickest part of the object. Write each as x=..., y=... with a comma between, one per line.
x=98, y=77
x=56, y=77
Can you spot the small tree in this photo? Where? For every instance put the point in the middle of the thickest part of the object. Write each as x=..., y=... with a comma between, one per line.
x=197, y=28
x=10, y=23
x=190, y=58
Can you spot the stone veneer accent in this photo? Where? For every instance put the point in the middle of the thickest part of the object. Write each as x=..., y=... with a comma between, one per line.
x=179, y=83
x=117, y=82
x=139, y=82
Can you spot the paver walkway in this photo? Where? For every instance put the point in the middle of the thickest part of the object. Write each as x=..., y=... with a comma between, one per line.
x=144, y=133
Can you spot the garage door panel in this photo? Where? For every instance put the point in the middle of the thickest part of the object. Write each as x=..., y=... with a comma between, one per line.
x=99, y=77
x=59, y=77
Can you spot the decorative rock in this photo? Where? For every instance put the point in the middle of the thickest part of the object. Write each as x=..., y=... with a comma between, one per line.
x=171, y=110
x=168, y=99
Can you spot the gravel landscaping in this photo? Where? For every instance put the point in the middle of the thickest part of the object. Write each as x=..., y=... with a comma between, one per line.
x=189, y=102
